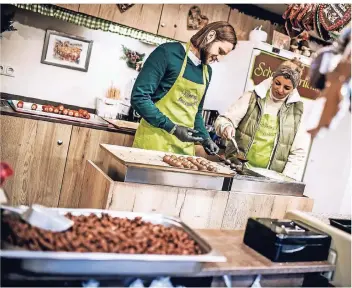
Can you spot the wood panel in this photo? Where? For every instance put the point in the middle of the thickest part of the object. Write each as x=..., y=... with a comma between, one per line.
x=173, y=21
x=128, y=140
x=97, y=188
x=84, y=146
x=196, y=207
x=241, y=206
x=107, y=11
x=73, y=7
x=31, y=149
x=145, y=17
x=90, y=9
x=244, y=24
x=122, y=124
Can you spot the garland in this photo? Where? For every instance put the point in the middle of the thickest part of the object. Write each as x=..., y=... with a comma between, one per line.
x=94, y=23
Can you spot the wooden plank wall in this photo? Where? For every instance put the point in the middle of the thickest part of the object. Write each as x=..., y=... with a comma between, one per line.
x=170, y=20
x=198, y=208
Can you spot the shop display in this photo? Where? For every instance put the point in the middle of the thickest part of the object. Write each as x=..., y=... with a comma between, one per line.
x=190, y=163
x=101, y=234
x=81, y=113
x=322, y=20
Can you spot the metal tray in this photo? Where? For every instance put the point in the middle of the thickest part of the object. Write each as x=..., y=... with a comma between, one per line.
x=94, y=119
x=74, y=263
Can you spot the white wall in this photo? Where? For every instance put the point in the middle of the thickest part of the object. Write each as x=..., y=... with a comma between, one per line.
x=22, y=49
x=328, y=174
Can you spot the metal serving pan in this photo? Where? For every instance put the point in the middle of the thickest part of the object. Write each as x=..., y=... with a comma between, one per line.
x=75, y=263
x=94, y=119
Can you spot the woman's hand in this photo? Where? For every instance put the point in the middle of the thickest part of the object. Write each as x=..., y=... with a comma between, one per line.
x=228, y=133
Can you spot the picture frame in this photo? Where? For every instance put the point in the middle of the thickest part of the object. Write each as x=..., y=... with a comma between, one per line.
x=281, y=40
x=66, y=51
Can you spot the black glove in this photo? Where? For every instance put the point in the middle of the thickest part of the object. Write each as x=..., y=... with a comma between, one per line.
x=235, y=161
x=186, y=134
x=210, y=147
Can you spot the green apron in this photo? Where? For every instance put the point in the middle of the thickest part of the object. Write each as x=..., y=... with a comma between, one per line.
x=180, y=105
x=264, y=141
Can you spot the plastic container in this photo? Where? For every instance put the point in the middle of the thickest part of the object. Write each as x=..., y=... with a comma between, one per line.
x=258, y=35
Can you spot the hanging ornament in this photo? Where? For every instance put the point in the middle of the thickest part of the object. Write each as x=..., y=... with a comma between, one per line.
x=124, y=7
x=133, y=59
x=195, y=19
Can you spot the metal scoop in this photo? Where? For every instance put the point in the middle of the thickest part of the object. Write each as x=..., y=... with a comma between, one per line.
x=43, y=218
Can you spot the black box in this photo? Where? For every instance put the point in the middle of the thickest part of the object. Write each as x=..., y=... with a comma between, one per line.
x=286, y=240
x=342, y=224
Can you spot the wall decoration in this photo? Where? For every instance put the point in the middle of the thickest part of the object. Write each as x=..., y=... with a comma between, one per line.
x=281, y=41
x=124, y=7
x=133, y=59
x=195, y=19
x=66, y=51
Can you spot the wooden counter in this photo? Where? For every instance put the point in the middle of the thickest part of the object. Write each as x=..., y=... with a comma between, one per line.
x=244, y=264
x=242, y=260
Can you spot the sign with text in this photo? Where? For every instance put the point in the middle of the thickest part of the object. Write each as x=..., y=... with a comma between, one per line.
x=264, y=66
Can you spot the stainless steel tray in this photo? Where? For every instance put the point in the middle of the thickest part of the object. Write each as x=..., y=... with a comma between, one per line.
x=74, y=263
x=94, y=119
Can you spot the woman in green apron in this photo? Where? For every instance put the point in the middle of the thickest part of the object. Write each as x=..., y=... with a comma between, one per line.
x=266, y=124
x=169, y=91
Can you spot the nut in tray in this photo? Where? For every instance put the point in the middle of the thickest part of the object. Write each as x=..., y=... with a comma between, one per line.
x=94, y=230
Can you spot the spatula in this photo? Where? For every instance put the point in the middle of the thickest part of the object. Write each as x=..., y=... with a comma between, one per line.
x=43, y=218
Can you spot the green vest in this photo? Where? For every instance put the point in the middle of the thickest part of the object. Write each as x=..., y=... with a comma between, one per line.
x=289, y=120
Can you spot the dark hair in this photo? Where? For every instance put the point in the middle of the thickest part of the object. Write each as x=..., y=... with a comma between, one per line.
x=224, y=32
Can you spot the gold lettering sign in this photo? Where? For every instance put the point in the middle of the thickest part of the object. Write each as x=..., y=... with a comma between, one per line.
x=265, y=65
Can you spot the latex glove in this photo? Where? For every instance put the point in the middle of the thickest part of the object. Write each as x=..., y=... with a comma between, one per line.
x=228, y=132
x=210, y=147
x=186, y=134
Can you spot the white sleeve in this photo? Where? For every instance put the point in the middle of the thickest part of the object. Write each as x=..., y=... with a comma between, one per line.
x=298, y=154
x=234, y=114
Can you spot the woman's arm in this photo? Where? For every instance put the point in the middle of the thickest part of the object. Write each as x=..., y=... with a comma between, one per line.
x=234, y=114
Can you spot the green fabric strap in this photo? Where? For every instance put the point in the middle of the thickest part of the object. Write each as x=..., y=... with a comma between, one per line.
x=94, y=23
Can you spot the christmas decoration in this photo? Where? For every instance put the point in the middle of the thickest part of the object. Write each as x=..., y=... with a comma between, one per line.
x=133, y=59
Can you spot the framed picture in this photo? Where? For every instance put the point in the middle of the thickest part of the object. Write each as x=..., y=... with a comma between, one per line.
x=281, y=41
x=66, y=51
